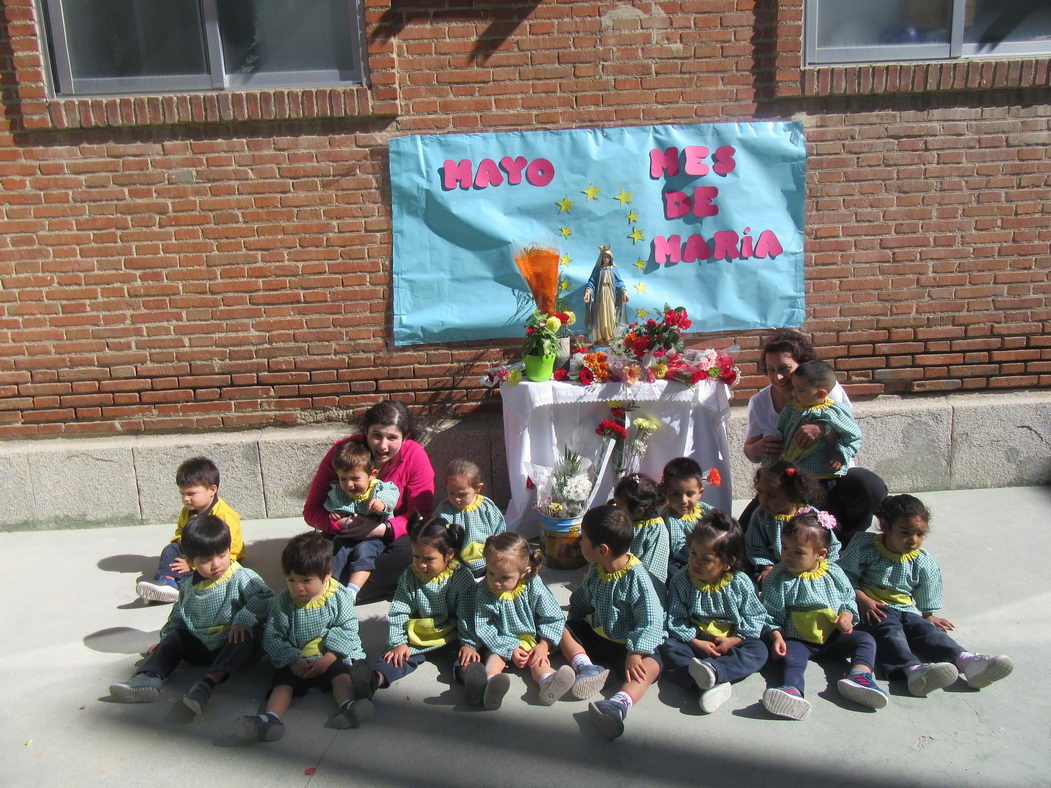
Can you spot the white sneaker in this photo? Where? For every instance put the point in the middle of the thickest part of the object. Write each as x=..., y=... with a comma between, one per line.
x=981, y=670
x=931, y=676
x=715, y=697
x=557, y=684
x=703, y=674
x=150, y=591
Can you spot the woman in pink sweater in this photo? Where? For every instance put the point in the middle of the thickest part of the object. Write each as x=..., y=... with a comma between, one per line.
x=388, y=429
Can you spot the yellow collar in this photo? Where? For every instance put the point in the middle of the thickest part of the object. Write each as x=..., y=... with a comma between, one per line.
x=647, y=523
x=902, y=558
x=827, y=402
x=445, y=574
x=330, y=591
x=711, y=588
x=475, y=505
x=691, y=516
x=608, y=576
x=814, y=574
x=364, y=496
x=784, y=518
x=204, y=585
x=515, y=592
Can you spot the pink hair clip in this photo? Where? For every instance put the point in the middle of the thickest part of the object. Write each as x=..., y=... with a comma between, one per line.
x=827, y=520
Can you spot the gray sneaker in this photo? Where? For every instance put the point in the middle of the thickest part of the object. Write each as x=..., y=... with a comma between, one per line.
x=608, y=716
x=931, y=676
x=556, y=685
x=152, y=591
x=474, y=683
x=495, y=689
x=198, y=696
x=140, y=688
x=256, y=727
x=352, y=713
x=590, y=680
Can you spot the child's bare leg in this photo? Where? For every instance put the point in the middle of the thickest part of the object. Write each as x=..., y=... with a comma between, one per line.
x=494, y=665
x=342, y=689
x=280, y=700
x=570, y=646
x=350, y=712
x=266, y=726
x=636, y=689
x=540, y=669
x=608, y=715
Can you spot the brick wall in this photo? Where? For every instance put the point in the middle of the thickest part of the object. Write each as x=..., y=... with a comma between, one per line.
x=223, y=261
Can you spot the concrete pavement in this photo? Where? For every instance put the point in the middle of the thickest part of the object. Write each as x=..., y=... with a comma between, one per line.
x=72, y=625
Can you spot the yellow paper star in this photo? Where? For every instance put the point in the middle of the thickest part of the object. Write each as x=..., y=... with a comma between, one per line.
x=632, y=217
x=565, y=232
x=641, y=287
x=563, y=285
x=640, y=314
x=565, y=260
x=636, y=235
x=624, y=197
x=565, y=205
x=591, y=191
x=640, y=264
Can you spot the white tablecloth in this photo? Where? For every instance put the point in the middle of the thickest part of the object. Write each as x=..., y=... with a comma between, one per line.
x=542, y=419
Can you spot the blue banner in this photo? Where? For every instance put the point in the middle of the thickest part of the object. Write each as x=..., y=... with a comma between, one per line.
x=706, y=216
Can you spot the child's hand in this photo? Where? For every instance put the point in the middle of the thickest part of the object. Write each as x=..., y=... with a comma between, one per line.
x=180, y=565
x=808, y=434
x=764, y=572
x=778, y=647
x=320, y=665
x=240, y=633
x=704, y=648
x=634, y=670
x=468, y=655
x=835, y=463
x=538, y=656
x=723, y=645
x=300, y=667
x=376, y=505
x=519, y=657
x=944, y=624
x=845, y=622
x=151, y=649
x=871, y=610
x=335, y=517
x=396, y=656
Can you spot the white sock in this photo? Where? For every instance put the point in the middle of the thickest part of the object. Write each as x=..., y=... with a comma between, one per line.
x=580, y=661
x=353, y=588
x=962, y=659
x=546, y=676
x=624, y=699
x=913, y=668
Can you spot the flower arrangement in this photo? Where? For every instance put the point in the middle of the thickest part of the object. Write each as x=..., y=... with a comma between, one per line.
x=565, y=491
x=658, y=337
x=709, y=364
x=541, y=335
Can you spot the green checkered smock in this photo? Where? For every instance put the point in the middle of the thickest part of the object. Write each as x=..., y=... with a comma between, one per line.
x=910, y=582
x=621, y=606
x=445, y=599
x=502, y=621
x=805, y=606
x=650, y=546
x=208, y=608
x=340, y=502
x=727, y=608
x=480, y=520
x=680, y=528
x=309, y=631
x=839, y=427
x=763, y=538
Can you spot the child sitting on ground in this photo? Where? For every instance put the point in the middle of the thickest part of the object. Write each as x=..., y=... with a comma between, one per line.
x=357, y=492
x=516, y=620
x=812, y=604
x=899, y=591
x=639, y=497
x=827, y=457
x=311, y=637
x=198, y=483
x=682, y=484
x=783, y=491
x=467, y=507
x=215, y=621
x=433, y=600
x=715, y=618
x=615, y=618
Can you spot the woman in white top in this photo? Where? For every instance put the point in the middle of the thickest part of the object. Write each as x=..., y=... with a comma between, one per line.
x=853, y=498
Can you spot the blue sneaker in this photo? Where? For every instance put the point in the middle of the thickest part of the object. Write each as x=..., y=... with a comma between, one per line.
x=589, y=681
x=862, y=689
x=608, y=716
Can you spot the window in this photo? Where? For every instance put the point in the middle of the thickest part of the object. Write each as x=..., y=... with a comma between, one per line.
x=112, y=47
x=862, y=31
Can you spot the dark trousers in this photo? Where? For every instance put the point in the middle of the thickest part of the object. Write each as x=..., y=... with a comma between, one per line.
x=858, y=647
x=164, y=572
x=389, y=565
x=739, y=662
x=604, y=652
x=904, y=639
x=181, y=645
x=349, y=557
x=449, y=653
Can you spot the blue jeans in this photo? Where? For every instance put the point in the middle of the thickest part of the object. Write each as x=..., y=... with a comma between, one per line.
x=904, y=639
x=181, y=645
x=858, y=647
x=165, y=574
x=449, y=653
x=738, y=663
x=349, y=557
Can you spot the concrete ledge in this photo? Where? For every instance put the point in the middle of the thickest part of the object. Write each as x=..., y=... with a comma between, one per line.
x=934, y=443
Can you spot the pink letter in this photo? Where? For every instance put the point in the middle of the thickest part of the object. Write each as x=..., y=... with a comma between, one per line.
x=487, y=174
x=725, y=245
x=666, y=250
x=702, y=201
x=724, y=160
x=768, y=245
x=513, y=168
x=540, y=172
x=694, y=155
x=457, y=174
x=676, y=205
x=696, y=249
x=664, y=163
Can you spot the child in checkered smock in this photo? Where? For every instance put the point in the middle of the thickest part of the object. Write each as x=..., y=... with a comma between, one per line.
x=433, y=601
x=615, y=619
x=465, y=505
x=682, y=485
x=640, y=498
x=829, y=455
x=516, y=620
x=812, y=604
x=311, y=638
x=899, y=591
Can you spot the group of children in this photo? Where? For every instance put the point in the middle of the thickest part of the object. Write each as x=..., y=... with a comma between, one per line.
x=673, y=588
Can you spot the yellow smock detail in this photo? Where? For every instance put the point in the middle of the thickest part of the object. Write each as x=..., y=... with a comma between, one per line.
x=527, y=641
x=330, y=590
x=707, y=629
x=601, y=632
x=609, y=576
x=204, y=585
x=649, y=523
x=815, y=574
x=814, y=626
x=711, y=588
x=445, y=574
x=473, y=551
x=901, y=558
x=693, y=515
x=514, y=593
x=364, y=496
x=887, y=596
x=474, y=505
x=311, y=649
x=422, y=633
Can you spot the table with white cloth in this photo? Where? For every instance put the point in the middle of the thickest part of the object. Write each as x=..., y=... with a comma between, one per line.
x=542, y=419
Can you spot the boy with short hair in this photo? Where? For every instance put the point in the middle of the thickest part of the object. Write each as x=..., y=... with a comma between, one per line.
x=311, y=637
x=198, y=483
x=357, y=492
x=615, y=617
x=829, y=456
x=215, y=621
